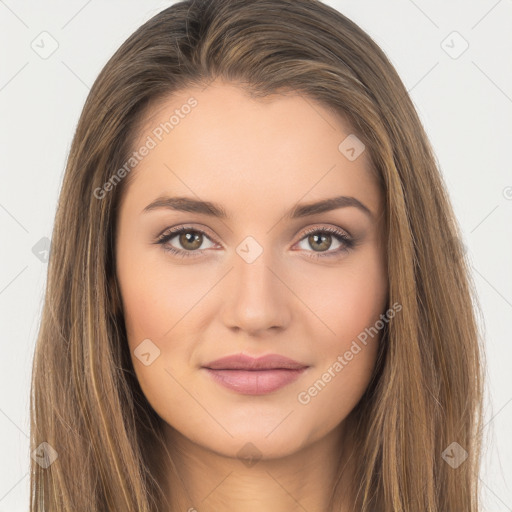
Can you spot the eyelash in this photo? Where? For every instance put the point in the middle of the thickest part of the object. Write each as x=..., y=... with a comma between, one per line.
x=339, y=235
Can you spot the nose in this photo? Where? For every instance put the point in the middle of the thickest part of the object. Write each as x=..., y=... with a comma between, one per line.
x=257, y=298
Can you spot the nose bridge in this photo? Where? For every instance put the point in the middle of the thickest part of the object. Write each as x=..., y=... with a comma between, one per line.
x=257, y=300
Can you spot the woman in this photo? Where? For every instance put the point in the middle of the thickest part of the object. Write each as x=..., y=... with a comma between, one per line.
x=257, y=298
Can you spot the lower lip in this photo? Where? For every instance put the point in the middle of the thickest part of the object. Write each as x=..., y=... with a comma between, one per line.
x=255, y=382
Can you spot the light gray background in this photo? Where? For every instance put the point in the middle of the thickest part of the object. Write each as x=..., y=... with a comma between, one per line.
x=465, y=104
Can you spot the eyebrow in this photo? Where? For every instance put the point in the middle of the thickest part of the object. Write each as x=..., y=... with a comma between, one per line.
x=187, y=204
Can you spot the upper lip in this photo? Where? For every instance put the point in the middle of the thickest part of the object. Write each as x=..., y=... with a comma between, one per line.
x=244, y=362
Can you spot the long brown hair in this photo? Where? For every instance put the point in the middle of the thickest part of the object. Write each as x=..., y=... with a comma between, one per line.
x=426, y=393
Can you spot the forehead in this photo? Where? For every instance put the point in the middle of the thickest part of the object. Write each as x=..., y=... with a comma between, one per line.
x=220, y=144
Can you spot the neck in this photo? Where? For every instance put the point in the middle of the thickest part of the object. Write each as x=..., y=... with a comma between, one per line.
x=199, y=479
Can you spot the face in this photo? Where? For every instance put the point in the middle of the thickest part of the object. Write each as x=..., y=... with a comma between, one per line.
x=243, y=265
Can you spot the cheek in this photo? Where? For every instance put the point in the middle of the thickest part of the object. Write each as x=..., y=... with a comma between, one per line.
x=166, y=305
x=345, y=300
x=156, y=297
x=349, y=304
x=154, y=311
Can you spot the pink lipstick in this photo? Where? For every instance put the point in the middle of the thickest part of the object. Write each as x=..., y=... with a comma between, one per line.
x=254, y=376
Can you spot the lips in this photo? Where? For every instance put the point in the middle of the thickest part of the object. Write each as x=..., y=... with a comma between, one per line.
x=244, y=362
x=254, y=376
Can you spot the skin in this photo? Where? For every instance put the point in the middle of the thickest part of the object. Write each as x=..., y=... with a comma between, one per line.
x=257, y=159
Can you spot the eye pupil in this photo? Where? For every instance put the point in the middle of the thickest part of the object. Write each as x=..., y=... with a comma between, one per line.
x=191, y=237
x=313, y=239
x=189, y=242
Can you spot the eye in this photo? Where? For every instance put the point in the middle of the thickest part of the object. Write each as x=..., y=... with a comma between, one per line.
x=189, y=241
x=321, y=240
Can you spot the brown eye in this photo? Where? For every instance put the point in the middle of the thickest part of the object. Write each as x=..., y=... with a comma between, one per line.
x=318, y=242
x=190, y=240
x=185, y=241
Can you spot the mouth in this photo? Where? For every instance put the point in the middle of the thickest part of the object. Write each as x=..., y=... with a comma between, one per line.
x=254, y=376
x=244, y=362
